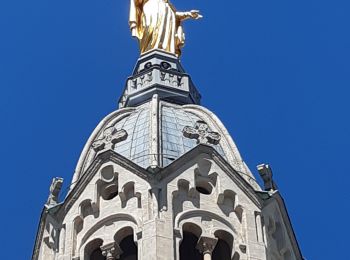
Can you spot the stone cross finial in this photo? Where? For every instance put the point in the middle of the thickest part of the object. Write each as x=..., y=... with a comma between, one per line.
x=55, y=189
x=201, y=132
x=111, y=251
x=111, y=136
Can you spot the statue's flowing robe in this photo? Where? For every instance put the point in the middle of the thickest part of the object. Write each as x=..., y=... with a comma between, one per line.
x=157, y=25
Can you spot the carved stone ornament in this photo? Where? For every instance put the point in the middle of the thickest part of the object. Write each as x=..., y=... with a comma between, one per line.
x=206, y=245
x=111, y=136
x=111, y=251
x=267, y=176
x=201, y=132
x=55, y=189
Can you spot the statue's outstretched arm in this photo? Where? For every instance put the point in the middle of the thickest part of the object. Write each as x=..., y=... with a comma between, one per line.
x=193, y=14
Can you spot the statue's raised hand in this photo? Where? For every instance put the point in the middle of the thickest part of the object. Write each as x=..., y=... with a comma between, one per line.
x=195, y=14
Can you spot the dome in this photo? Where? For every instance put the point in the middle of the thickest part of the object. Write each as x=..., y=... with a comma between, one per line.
x=173, y=143
x=156, y=135
x=159, y=120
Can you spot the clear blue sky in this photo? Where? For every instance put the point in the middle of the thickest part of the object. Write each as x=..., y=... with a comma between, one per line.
x=275, y=72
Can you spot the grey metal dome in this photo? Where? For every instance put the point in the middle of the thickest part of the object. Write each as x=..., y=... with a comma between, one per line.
x=172, y=144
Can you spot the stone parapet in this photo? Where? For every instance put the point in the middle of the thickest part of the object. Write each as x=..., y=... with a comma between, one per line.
x=159, y=73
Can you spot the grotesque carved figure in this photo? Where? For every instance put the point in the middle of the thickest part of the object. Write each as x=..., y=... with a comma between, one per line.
x=55, y=189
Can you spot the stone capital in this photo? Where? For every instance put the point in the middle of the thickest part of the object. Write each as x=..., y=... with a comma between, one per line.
x=206, y=245
x=111, y=251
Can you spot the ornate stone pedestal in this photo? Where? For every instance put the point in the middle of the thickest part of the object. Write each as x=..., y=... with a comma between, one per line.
x=159, y=73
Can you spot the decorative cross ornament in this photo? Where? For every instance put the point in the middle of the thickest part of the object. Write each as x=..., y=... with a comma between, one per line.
x=111, y=136
x=201, y=132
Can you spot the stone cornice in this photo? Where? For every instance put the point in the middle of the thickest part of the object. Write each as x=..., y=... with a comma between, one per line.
x=154, y=178
x=39, y=235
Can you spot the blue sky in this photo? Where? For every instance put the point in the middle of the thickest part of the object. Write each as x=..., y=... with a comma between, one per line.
x=275, y=72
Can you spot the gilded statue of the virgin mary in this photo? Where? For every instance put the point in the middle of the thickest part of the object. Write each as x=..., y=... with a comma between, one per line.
x=157, y=25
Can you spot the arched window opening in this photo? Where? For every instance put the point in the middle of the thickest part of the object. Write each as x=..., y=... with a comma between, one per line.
x=129, y=248
x=97, y=255
x=188, y=250
x=223, y=248
x=125, y=239
x=93, y=250
x=222, y=251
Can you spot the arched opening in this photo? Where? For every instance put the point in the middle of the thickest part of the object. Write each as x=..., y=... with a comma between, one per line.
x=222, y=251
x=97, y=255
x=93, y=250
x=129, y=248
x=125, y=239
x=223, y=248
x=188, y=246
x=188, y=250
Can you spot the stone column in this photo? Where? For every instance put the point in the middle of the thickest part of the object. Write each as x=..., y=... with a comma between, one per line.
x=206, y=246
x=111, y=251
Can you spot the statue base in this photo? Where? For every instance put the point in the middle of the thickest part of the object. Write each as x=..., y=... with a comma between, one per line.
x=159, y=72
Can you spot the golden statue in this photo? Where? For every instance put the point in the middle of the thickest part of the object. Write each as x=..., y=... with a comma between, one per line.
x=157, y=25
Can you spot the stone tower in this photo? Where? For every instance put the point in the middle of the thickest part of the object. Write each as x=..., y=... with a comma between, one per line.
x=160, y=178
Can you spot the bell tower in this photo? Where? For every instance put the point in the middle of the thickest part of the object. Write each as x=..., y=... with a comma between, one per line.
x=161, y=178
